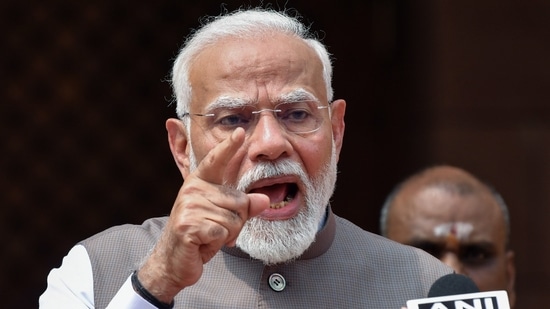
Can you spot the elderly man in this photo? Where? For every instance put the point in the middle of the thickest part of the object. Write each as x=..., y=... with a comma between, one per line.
x=257, y=141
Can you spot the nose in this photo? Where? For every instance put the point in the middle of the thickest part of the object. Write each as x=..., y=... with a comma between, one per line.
x=268, y=140
x=452, y=260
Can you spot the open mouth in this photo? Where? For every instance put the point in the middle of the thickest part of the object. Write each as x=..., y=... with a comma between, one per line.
x=279, y=194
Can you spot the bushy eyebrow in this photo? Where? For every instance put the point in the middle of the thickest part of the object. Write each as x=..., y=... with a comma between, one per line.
x=228, y=102
x=296, y=95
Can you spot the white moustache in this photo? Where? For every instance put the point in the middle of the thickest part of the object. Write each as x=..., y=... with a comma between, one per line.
x=265, y=170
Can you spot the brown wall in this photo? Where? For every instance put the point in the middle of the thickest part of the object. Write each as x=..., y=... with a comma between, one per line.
x=490, y=76
x=83, y=105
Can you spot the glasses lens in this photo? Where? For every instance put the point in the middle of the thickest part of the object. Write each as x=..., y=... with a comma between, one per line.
x=300, y=117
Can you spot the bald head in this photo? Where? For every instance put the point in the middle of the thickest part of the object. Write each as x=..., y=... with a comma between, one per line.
x=456, y=217
x=441, y=181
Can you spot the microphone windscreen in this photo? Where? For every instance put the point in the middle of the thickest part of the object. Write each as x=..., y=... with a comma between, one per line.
x=452, y=284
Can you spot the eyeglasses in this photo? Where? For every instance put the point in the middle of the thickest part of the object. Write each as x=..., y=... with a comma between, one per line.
x=300, y=117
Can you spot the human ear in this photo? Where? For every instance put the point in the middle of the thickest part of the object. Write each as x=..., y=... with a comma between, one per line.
x=179, y=145
x=338, y=110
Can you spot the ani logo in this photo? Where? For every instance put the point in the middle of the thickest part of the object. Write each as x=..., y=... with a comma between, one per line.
x=480, y=300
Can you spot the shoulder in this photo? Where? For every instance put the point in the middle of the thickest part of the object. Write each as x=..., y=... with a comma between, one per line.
x=400, y=272
x=349, y=232
x=152, y=226
x=383, y=252
x=126, y=236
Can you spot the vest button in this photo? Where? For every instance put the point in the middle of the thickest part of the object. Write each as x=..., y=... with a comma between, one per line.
x=277, y=282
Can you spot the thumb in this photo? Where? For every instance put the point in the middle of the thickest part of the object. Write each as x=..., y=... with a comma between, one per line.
x=258, y=203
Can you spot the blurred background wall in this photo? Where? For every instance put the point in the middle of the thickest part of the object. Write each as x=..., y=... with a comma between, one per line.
x=84, y=100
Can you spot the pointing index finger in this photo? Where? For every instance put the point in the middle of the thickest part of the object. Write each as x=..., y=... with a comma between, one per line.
x=212, y=168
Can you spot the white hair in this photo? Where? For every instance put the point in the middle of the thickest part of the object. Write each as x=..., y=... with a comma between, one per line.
x=241, y=24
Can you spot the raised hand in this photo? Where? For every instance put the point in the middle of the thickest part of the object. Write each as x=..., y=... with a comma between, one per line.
x=206, y=216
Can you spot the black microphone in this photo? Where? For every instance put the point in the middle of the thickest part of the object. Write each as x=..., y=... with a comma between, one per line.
x=455, y=291
x=452, y=284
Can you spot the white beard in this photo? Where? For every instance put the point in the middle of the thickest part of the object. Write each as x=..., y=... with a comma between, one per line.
x=278, y=241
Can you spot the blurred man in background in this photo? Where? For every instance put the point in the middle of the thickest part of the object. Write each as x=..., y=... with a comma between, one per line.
x=454, y=216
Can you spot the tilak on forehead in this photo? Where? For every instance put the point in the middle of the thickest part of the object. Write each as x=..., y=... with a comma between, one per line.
x=456, y=230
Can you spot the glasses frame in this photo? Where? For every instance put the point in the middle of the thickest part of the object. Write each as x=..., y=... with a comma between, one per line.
x=274, y=110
